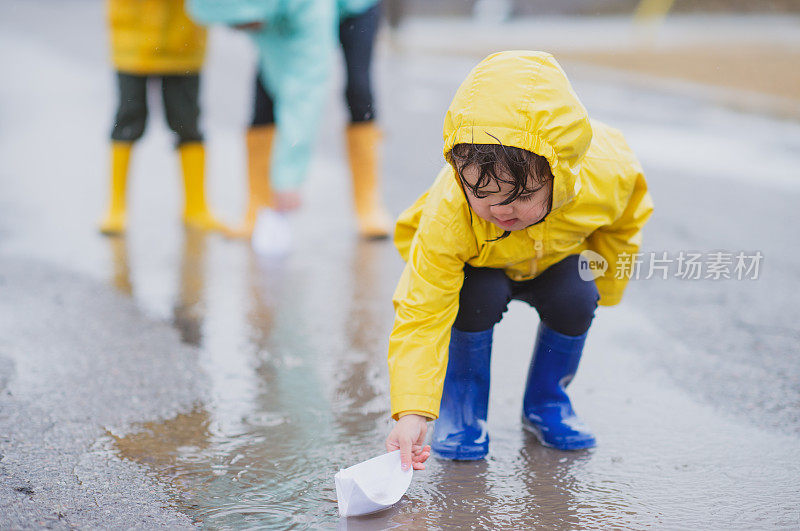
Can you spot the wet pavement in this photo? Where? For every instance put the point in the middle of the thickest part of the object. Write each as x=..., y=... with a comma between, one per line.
x=172, y=378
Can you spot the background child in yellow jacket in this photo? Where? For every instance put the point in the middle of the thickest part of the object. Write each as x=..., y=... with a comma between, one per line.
x=156, y=39
x=530, y=184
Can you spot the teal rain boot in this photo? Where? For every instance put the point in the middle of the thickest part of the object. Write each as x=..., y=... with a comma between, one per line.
x=460, y=431
x=546, y=409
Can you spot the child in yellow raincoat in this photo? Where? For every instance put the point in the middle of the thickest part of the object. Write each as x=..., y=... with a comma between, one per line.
x=532, y=189
x=155, y=39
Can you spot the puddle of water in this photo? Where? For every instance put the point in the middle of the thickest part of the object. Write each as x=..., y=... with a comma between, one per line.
x=295, y=390
x=296, y=357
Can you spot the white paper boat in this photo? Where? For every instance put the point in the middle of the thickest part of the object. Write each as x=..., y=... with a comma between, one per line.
x=372, y=486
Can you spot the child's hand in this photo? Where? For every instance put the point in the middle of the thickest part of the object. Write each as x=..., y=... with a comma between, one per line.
x=408, y=436
x=249, y=26
x=287, y=200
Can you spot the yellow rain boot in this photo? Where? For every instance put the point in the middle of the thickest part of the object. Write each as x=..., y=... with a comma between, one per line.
x=195, y=212
x=114, y=221
x=362, y=145
x=259, y=192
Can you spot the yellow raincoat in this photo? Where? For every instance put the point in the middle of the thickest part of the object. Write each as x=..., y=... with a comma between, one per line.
x=600, y=202
x=154, y=37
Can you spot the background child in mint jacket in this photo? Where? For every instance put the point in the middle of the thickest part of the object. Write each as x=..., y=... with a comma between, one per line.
x=295, y=43
x=530, y=184
x=358, y=22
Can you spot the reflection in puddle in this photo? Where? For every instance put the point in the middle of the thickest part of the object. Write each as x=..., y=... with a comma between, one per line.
x=291, y=394
x=295, y=352
x=188, y=308
x=305, y=395
x=120, y=269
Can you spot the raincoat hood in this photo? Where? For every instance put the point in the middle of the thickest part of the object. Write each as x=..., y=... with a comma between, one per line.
x=524, y=100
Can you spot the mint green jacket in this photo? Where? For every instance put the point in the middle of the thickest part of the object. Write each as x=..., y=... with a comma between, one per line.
x=348, y=8
x=295, y=53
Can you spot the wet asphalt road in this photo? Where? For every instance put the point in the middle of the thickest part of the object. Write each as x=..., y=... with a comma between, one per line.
x=171, y=378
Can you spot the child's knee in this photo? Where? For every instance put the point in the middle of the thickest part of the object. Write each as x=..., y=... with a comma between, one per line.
x=129, y=123
x=572, y=312
x=183, y=121
x=483, y=299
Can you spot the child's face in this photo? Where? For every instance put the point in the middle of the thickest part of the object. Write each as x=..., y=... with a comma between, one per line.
x=527, y=209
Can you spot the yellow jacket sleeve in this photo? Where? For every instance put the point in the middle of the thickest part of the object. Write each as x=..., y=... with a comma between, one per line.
x=426, y=304
x=620, y=241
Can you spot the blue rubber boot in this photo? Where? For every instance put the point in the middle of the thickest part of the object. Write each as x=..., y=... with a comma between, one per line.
x=546, y=409
x=460, y=431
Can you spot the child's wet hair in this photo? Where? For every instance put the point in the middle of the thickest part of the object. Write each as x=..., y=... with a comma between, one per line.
x=500, y=163
x=496, y=159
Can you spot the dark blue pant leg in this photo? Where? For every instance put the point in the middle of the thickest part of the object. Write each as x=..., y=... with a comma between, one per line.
x=264, y=106
x=483, y=299
x=131, y=115
x=181, y=94
x=357, y=37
